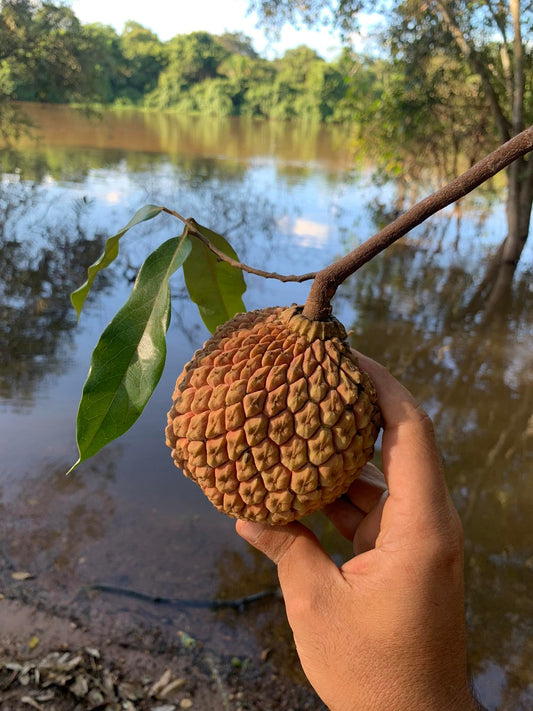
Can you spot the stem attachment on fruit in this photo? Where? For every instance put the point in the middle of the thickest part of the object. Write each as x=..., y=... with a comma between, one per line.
x=324, y=329
x=318, y=304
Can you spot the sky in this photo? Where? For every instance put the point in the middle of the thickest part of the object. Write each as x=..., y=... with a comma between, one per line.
x=167, y=19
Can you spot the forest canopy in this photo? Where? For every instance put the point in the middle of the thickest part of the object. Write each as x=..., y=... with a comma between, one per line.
x=48, y=55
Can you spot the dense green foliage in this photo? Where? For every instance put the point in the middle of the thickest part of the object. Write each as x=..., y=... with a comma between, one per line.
x=47, y=55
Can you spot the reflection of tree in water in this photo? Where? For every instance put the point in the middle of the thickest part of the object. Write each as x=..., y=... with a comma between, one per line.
x=41, y=269
x=38, y=163
x=473, y=375
x=37, y=277
x=288, y=141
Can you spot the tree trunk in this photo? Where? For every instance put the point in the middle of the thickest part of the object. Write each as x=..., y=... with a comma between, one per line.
x=519, y=204
x=520, y=177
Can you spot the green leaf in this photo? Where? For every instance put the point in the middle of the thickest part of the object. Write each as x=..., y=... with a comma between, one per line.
x=129, y=358
x=216, y=287
x=109, y=255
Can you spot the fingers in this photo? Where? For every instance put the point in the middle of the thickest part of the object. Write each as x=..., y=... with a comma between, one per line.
x=348, y=512
x=300, y=558
x=359, y=528
x=367, y=532
x=367, y=489
x=411, y=461
x=345, y=517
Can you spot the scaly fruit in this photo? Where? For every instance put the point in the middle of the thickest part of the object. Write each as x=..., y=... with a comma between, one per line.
x=272, y=418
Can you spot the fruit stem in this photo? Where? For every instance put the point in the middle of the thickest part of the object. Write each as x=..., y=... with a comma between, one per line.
x=195, y=231
x=318, y=304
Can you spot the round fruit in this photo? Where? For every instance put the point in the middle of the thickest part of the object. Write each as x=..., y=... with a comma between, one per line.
x=272, y=418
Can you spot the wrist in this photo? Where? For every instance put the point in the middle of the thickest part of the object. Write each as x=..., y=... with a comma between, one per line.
x=404, y=697
x=431, y=695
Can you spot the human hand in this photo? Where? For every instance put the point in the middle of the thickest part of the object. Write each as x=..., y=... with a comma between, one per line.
x=386, y=631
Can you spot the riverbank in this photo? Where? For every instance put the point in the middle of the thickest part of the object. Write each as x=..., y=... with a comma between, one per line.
x=54, y=663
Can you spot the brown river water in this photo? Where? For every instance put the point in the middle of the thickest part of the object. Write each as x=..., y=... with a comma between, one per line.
x=291, y=199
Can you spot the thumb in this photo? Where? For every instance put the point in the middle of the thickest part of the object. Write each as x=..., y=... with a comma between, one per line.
x=301, y=560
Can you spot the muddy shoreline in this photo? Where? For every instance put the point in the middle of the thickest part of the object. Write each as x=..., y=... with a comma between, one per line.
x=78, y=573
x=56, y=663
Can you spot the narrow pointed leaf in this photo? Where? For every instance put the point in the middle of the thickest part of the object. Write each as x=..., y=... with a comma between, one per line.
x=129, y=358
x=216, y=287
x=109, y=255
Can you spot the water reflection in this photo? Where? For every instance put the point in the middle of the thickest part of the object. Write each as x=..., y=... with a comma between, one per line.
x=413, y=308
x=170, y=134
x=36, y=316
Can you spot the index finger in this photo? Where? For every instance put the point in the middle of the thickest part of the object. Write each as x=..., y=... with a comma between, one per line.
x=411, y=461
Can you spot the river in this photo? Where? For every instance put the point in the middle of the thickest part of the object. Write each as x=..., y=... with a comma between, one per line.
x=290, y=197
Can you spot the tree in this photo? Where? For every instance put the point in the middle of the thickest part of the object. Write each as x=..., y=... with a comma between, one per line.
x=195, y=57
x=47, y=55
x=190, y=59
x=144, y=59
x=304, y=86
x=102, y=62
x=37, y=58
x=323, y=88
x=237, y=43
x=296, y=63
x=48, y=67
x=490, y=38
x=402, y=112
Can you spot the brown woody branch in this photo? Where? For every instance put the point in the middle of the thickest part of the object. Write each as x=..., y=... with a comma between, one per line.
x=194, y=230
x=317, y=306
x=327, y=281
